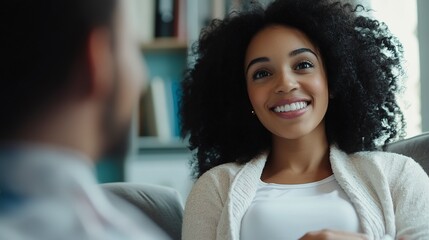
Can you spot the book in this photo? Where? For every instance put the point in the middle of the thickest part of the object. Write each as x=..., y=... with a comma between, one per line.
x=142, y=16
x=193, y=27
x=205, y=13
x=155, y=118
x=177, y=94
x=181, y=28
x=164, y=18
x=173, y=97
x=218, y=9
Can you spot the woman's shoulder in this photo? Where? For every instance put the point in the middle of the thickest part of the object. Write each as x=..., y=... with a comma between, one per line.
x=223, y=172
x=378, y=167
x=382, y=158
x=387, y=163
x=213, y=185
x=391, y=164
x=223, y=175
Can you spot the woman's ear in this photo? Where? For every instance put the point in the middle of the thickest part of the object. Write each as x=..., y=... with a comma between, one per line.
x=100, y=60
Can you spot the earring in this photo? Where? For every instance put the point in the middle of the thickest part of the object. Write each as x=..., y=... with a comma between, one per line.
x=253, y=112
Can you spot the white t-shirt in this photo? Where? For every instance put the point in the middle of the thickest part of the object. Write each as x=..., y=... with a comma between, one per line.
x=289, y=211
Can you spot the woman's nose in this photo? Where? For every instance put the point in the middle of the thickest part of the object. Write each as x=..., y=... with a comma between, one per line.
x=286, y=82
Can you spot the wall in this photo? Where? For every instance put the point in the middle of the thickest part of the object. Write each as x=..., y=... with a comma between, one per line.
x=423, y=34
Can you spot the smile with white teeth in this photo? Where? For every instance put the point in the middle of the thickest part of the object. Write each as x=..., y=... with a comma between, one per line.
x=290, y=107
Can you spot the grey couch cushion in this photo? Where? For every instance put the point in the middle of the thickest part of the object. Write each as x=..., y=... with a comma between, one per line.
x=163, y=205
x=416, y=147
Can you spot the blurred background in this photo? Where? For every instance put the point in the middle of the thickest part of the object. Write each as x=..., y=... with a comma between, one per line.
x=168, y=28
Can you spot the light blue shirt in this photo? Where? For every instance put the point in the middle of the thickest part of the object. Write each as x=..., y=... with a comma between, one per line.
x=51, y=193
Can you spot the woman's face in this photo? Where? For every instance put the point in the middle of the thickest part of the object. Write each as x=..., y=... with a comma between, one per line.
x=286, y=82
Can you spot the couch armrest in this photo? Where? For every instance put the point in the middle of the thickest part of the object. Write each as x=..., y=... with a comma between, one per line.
x=416, y=147
x=163, y=205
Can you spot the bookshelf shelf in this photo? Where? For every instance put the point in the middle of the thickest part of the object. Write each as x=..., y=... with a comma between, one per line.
x=157, y=145
x=165, y=44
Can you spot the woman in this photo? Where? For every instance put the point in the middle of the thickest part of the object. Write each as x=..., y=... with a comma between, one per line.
x=285, y=108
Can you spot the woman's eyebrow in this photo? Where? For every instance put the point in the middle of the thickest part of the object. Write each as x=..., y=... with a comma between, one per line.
x=301, y=50
x=257, y=60
x=291, y=54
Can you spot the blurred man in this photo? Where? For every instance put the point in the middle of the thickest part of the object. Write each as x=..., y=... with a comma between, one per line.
x=70, y=78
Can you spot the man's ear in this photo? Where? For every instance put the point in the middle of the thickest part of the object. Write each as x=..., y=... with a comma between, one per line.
x=100, y=62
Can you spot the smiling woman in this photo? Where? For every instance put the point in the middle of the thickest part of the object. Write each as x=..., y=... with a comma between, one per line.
x=284, y=109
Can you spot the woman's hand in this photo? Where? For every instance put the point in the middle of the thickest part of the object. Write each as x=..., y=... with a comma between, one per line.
x=333, y=235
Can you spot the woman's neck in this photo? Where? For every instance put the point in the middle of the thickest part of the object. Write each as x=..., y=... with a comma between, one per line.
x=301, y=160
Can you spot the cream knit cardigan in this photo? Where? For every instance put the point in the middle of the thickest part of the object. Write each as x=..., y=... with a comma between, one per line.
x=390, y=193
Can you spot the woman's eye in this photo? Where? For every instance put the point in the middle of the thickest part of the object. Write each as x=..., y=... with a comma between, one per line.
x=261, y=74
x=304, y=65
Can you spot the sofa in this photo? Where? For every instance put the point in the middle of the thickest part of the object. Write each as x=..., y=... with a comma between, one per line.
x=416, y=147
x=164, y=204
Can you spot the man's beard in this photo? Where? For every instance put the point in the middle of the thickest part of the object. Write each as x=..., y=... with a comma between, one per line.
x=118, y=143
x=116, y=135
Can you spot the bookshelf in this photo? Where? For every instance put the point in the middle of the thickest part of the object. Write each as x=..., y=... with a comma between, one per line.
x=157, y=154
x=166, y=29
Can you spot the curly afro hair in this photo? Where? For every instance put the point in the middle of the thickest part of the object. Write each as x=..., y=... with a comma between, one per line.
x=363, y=66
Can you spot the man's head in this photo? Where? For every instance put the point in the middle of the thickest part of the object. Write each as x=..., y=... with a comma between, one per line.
x=68, y=56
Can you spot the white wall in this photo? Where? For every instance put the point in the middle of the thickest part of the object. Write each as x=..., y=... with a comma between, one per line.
x=401, y=18
x=423, y=34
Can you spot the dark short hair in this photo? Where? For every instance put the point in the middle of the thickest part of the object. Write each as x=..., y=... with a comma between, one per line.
x=362, y=61
x=41, y=41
